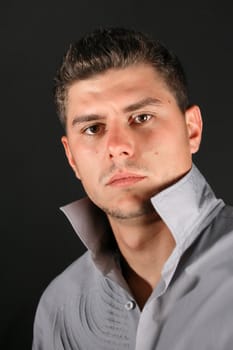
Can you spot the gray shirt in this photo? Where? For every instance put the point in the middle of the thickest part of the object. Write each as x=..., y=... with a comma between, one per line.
x=90, y=307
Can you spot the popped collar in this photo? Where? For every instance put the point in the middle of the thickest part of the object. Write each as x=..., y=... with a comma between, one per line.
x=187, y=207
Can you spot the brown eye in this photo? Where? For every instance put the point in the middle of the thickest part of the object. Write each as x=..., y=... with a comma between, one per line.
x=142, y=118
x=93, y=129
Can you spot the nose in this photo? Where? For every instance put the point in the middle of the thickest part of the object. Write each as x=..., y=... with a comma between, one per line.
x=120, y=143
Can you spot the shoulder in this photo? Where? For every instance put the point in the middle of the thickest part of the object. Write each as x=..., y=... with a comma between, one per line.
x=60, y=301
x=75, y=280
x=227, y=213
x=202, y=295
x=210, y=258
x=222, y=226
x=216, y=256
x=220, y=238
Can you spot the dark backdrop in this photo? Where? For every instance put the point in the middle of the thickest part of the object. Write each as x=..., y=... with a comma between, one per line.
x=37, y=242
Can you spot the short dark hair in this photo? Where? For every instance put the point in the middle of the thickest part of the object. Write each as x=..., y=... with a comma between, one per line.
x=117, y=48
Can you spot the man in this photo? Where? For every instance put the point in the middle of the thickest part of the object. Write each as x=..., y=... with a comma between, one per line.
x=158, y=270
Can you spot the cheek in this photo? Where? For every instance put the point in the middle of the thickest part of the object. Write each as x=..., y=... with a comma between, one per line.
x=154, y=141
x=86, y=165
x=167, y=141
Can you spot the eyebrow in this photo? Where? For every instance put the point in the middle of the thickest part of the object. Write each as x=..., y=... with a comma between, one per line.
x=86, y=118
x=148, y=101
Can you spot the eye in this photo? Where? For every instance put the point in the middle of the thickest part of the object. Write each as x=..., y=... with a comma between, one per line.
x=142, y=118
x=93, y=129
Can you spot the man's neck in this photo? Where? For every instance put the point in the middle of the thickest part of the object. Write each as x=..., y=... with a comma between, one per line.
x=145, y=245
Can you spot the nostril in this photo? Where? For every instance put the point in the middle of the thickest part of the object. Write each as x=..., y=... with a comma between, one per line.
x=119, y=153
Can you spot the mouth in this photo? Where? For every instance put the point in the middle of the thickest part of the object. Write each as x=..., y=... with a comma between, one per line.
x=124, y=179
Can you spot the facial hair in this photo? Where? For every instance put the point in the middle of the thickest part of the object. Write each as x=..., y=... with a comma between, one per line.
x=117, y=213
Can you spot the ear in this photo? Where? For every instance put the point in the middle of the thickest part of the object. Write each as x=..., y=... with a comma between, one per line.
x=194, y=127
x=69, y=156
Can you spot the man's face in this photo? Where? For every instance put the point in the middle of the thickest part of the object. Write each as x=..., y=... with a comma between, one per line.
x=127, y=138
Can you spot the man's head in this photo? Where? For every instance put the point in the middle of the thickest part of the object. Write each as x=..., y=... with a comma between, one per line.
x=117, y=48
x=129, y=130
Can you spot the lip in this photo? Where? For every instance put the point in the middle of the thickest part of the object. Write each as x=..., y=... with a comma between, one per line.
x=124, y=179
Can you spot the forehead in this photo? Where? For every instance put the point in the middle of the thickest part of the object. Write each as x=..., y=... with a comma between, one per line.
x=127, y=78
x=116, y=86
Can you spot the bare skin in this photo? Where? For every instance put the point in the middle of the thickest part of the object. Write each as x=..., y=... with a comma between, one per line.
x=143, y=258
x=126, y=141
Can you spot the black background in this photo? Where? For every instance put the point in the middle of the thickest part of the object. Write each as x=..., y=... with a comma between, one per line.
x=37, y=242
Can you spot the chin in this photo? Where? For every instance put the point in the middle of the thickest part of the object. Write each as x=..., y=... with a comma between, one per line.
x=128, y=210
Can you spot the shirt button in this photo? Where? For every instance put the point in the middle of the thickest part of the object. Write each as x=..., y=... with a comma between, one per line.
x=130, y=305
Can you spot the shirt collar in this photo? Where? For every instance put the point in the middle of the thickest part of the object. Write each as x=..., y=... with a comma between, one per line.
x=185, y=207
